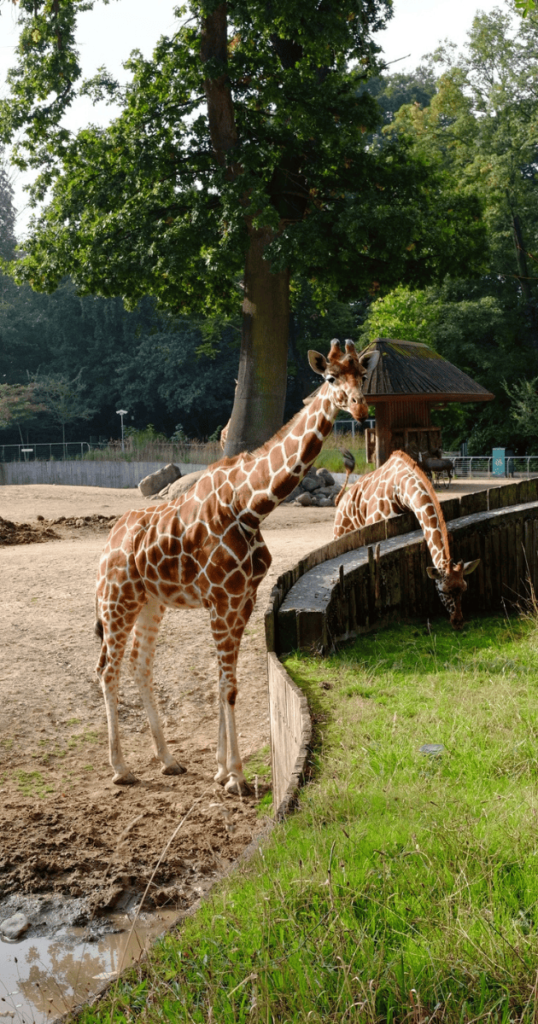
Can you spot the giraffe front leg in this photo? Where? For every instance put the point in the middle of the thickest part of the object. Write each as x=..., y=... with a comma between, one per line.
x=142, y=655
x=229, y=767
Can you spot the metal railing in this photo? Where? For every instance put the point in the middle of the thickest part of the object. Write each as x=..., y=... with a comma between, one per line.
x=351, y=426
x=481, y=465
x=56, y=451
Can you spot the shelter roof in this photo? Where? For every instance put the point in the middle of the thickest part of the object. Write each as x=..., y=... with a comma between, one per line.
x=409, y=369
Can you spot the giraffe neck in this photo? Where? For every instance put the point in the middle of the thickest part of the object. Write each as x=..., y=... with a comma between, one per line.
x=412, y=490
x=267, y=476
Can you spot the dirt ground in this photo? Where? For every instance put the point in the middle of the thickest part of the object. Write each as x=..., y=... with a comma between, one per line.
x=65, y=827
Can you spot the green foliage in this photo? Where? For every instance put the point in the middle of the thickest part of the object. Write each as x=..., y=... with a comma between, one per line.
x=141, y=438
x=7, y=212
x=148, y=206
x=62, y=398
x=394, y=91
x=404, y=887
x=403, y=314
x=524, y=409
x=18, y=403
x=141, y=361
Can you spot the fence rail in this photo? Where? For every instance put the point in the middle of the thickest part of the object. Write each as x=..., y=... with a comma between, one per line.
x=54, y=452
x=481, y=465
x=195, y=452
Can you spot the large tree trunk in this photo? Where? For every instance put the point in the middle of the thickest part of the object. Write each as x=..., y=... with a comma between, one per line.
x=261, y=386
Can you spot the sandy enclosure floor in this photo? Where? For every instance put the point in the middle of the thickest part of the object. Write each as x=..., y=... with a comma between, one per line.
x=65, y=827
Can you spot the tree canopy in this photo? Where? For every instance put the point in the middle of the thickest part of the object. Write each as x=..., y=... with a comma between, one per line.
x=244, y=156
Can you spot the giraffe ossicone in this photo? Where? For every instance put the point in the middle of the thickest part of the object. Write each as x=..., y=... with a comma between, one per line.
x=205, y=550
x=397, y=485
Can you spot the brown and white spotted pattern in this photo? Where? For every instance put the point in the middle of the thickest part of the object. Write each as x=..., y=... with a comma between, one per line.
x=206, y=549
x=400, y=484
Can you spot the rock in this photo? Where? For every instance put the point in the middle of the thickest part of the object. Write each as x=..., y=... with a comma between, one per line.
x=311, y=483
x=328, y=478
x=180, y=486
x=326, y=492
x=305, y=499
x=154, y=482
x=13, y=927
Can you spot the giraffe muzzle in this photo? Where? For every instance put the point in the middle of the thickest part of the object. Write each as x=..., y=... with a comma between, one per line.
x=358, y=409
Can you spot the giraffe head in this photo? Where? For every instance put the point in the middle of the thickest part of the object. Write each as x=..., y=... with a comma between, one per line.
x=451, y=585
x=344, y=373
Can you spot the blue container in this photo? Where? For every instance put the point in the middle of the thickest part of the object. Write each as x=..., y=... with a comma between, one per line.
x=498, y=462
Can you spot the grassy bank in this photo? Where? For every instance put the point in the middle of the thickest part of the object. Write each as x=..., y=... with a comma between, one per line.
x=405, y=888
x=331, y=454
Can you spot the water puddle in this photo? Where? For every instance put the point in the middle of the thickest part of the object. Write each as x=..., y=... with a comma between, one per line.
x=59, y=963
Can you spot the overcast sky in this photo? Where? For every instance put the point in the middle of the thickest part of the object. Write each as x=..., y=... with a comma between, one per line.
x=107, y=34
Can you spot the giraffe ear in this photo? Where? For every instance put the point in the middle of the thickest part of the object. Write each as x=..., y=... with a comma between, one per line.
x=433, y=573
x=470, y=566
x=318, y=363
x=369, y=360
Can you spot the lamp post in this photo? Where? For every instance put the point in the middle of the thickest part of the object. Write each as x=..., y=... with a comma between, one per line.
x=122, y=413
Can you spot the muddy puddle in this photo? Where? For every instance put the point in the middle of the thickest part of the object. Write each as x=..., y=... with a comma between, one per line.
x=59, y=963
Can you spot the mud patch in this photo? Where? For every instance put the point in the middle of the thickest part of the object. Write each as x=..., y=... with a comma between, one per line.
x=51, y=529
x=25, y=533
x=104, y=845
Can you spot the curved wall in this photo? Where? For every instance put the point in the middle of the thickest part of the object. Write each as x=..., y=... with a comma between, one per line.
x=378, y=574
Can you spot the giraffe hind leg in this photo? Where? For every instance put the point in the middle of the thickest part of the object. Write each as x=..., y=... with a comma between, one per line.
x=108, y=671
x=145, y=634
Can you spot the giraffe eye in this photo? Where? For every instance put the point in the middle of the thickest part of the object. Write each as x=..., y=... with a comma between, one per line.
x=330, y=379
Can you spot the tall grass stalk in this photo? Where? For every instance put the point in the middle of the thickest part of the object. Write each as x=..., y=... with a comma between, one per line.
x=405, y=887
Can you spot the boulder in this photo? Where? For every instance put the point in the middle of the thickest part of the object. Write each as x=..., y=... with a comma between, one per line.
x=304, y=499
x=311, y=483
x=154, y=482
x=180, y=486
x=328, y=478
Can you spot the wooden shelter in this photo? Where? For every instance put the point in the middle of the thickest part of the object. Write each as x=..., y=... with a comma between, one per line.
x=410, y=380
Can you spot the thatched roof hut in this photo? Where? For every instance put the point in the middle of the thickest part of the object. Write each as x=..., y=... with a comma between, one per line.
x=410, y=380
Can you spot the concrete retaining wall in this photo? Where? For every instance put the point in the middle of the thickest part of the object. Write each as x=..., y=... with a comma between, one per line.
x=291, y=732
x=85, y=473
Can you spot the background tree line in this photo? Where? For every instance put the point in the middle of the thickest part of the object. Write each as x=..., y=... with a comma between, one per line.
x=450, y=157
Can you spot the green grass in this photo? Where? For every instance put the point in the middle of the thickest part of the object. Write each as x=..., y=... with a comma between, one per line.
x=331, y=454
x=405, y=887
x=33, y=784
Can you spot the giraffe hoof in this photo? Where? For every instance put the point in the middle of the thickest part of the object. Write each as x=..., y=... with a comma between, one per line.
x=173, y=769
x=238, y=787
x=127, y=779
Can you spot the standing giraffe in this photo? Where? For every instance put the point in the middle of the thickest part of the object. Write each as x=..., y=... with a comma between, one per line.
x=397, y=485
x=205, y=550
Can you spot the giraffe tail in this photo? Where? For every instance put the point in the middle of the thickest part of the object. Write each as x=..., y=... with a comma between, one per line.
x=99, y=631
x=349, y=466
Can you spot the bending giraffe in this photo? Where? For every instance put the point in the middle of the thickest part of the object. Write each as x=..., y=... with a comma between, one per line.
x=400, y=484
x=205, y=550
